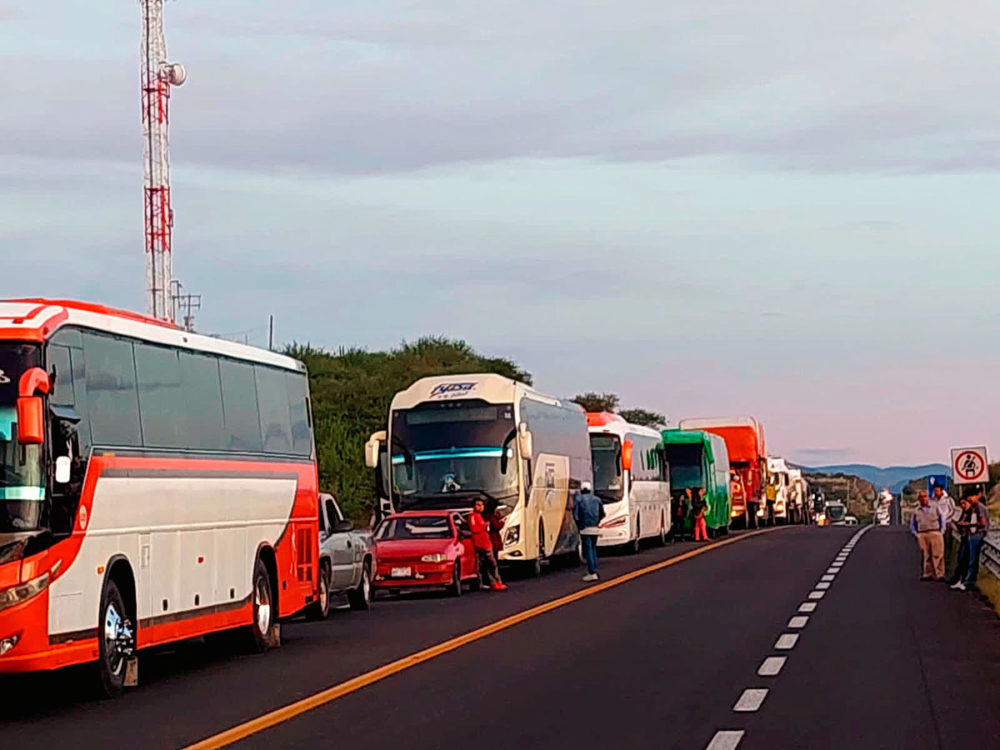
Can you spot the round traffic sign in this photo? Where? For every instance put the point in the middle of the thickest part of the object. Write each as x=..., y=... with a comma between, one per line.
x=969, y=465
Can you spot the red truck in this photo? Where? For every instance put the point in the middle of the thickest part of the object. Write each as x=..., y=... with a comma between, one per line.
x=744, y=438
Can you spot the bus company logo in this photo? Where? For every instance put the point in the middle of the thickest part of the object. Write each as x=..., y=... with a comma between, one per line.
x=452, y=390
x=83, y=516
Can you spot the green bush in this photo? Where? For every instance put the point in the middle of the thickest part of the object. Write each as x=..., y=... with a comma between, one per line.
x=351, y=390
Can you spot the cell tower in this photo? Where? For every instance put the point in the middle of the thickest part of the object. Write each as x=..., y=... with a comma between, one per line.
x=158, y=76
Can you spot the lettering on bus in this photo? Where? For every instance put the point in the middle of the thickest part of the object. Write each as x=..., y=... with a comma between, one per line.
x=451, y=390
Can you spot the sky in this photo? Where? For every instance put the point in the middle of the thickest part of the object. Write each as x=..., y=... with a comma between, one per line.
x=777, y=208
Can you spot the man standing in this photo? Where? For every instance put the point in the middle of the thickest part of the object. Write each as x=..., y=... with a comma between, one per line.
x=946, y=506
x=698, y=508
x=927, y=526
x=483, y=545
x=588, y=510
x=974, y=524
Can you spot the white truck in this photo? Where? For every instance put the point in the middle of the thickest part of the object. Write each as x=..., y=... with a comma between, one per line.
x=346, y=560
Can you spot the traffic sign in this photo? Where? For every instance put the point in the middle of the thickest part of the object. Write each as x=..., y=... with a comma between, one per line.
x=969, y=465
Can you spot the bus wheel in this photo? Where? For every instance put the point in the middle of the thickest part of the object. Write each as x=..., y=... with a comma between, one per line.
x=320, y=609
x=536, y=566
x=361, y=597
x=456, y=580
x=261, y=636
x=663, y=531
x=636, y=544
x=116, y=644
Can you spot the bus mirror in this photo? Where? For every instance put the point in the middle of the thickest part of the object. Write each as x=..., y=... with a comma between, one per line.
x=627, y=455
x=62, y=470
x=524, y=441
x=30, y=427
x=372, y=448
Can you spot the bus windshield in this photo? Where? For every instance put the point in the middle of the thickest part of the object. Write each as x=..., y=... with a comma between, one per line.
x=454, y=447
x=22, y=484
x=685, y=466
x=606, y=457
x=836, y=512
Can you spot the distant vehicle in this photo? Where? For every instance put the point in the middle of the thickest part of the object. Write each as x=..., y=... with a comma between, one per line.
x=744, y=438
x=779, y=484
x=156, y=485
x=460, y=438
x=346, y=560
x=420, y=549
x=631, y=478
x=798, y=497
x=834, y=514
x=699, y=460
x=850, y=520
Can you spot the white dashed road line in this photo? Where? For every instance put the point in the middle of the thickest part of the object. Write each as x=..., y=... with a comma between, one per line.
x=750, y=700
x=786, y=641
x=726, y=739
x=771, y=666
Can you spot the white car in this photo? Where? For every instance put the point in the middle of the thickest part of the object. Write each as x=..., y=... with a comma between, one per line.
x=346, y=560
x=851, y=520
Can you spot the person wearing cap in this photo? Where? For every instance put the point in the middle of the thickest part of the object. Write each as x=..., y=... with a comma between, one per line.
x=928, y=525
x=588, y=511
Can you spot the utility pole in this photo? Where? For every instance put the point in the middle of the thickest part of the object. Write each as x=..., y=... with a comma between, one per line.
x=186, y=303
x=270, y=333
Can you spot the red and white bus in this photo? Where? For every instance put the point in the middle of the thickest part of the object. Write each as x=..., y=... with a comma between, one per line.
x=155, y=485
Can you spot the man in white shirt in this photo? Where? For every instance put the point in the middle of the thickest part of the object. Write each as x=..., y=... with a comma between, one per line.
x=951, y=513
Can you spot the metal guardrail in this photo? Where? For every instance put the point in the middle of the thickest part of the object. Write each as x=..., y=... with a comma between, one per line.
x=991, y=552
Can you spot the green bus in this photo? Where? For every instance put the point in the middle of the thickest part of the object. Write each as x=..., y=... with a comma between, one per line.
x=698, y=461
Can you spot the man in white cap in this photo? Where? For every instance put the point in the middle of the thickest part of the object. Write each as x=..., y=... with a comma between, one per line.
x=588, y=510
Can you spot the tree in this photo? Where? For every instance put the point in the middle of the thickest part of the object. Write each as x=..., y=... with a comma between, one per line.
x=597, y=401
x=643, y=417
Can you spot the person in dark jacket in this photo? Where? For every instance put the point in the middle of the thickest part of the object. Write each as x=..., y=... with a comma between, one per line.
x=973, y=525
x=484, y=547
x=588, y=511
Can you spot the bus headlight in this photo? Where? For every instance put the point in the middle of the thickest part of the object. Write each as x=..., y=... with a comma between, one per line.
x=512, y=535
x=24, y=591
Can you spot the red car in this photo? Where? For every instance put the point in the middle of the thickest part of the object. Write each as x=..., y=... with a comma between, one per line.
x=423, y=548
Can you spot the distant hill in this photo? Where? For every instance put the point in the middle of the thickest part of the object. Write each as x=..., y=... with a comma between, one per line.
x=893, y=477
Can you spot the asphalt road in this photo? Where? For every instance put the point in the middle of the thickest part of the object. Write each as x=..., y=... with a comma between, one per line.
x=658, y=661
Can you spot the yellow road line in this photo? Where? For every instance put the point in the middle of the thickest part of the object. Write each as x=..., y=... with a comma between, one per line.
x=273, y=718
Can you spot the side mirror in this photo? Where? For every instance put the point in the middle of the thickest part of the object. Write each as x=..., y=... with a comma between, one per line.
x=342, y=526
x=372, y=448
x=30, y=419
x=62, y=470
x=627, y=455
x=524, y=441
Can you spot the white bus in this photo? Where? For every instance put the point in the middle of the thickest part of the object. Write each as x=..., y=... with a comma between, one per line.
x=458, y=438
x=632, y=478
x=779, y=483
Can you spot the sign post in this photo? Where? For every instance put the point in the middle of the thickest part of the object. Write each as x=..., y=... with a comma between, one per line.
x=969, y=465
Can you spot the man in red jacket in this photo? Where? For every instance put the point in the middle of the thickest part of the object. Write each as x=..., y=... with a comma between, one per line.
x=484, y=546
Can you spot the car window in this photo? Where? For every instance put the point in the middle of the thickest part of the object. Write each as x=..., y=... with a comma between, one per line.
x=415, y=527
x=333, y=512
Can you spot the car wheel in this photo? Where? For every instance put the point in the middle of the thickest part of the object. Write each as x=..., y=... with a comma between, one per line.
x=116, y=644
x=456, y=580
x=360, y=598
x=320, y=609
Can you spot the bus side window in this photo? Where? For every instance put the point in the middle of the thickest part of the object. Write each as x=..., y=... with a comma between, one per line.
x=65, y=430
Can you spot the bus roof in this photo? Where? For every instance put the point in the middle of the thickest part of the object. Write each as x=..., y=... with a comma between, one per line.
x=489, y=387
x=688, y=437
x=608, y=422
x=36, y=319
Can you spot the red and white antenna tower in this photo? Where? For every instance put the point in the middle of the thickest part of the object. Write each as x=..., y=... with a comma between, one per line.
x=158, y=76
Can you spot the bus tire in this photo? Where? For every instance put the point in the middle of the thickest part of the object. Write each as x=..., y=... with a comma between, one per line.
x=636, y=544
x=260, y=635
x=360, y=597
x=113, y=622
x=663, y=531
x=455, y=589
x=320, y=609
x=535, y=569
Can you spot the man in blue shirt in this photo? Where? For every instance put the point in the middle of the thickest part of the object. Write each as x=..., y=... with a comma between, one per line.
x=588, y=510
